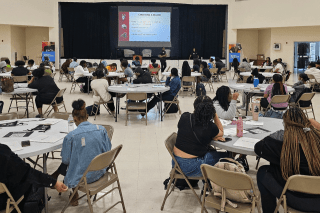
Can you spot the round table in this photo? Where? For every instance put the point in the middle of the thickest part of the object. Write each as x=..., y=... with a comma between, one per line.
x=270, y=124
x=265, y=74
x=262, y=67
x=137, y=88
x=35, y=148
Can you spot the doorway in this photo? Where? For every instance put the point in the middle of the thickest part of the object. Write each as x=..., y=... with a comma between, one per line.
x=304, y=53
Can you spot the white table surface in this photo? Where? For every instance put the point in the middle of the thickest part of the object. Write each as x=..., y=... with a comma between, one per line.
x=265, y=74
x=111, y=74
x=248, y=88
x=261, y=67
x=271, y=124
x=35, y=148
x=138, y=88
x=193, y=74
x=6, y=74
x=20, y=91
x=142, y=67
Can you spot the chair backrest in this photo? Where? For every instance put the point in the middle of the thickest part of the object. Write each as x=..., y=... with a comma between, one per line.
x=170, y=143
x=307, y=96
x=268, y=70
x=242, y=69
x=227, y=179
x=70, y=69
x=103, y=160
x=278, y=99
x=213, y=71
x=188, y=79
x=168, y=69
x=304, y=184
x=60, y=93
x=9, y=69
x=2, y=188
x=137, y=96
x=8, y=116
x=109, y=129
x=153, y=70
x=223, y=69
x=18, y=79
x=61, y=115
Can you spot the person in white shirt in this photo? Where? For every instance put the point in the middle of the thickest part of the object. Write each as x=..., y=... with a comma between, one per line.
x=245, y=65
x=225, y=103
x=278, y=68
x=74, y=63
x=79, y=75
x=312, y=70
x=31, y=65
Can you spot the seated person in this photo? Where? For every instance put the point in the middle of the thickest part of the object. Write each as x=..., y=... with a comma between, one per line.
x=154, y=64
x=195, y=132
x=255, y=74
x=299, y=87
x=292, y=151
x=31, y=65
x=65, y=66
x=104, y=63
x=20, y=70
x=8, y=63
x=79, y=148
x=143, y=77
x=235, y=64
x=47, y=90
x=79, y=75
x=3, y=67
x=318, y=64
x=112, y=67
x=219, y=64
x=225, y=103
x=20, y=178
x=123, y=59
x=136, y=61
x=276, y=88
x=100, y=87
x=186, y=71
x=47, y=70
x=312, y=70
x=211, y=63
x=267, y=62
x=173, y=81
x=205, y=72
x=127, y=71
x=74, y=63
x=277, y=67
x=196, y=66
x=245, y=65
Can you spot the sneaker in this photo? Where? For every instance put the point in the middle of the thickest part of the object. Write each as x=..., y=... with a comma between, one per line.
x=39, y=116
x=244, y=163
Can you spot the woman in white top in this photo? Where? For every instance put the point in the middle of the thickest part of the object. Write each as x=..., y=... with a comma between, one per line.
x=79, y=72
x=100, y=89
x=225, y=103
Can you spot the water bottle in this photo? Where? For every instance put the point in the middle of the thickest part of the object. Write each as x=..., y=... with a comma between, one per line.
x=70, y=123
x=255, y=82
x=239, y=127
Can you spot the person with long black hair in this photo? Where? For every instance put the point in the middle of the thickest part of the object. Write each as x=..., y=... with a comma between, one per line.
x=186, y=70
x=267, y=62
x=195, y=132
x=235, y=64
x=255, y=74
x=225, y=103
x=276, y=88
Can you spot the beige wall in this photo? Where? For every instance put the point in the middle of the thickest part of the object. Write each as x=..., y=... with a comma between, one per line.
x=249, y=42
x=18, y=42
x=264, y=42
x=5, y=41
x=34, y=37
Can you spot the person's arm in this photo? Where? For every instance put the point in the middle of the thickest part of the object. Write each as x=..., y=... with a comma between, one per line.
x=66, y=150
x=315, y=124
x=168, y=82
x=219, y=125
x=266, y=93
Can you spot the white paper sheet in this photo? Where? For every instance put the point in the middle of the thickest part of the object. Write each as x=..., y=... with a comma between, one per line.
x=49, y=121
x=47, y=138
x=246, y=142
x=225, y=122
x=254, y=123
x=232, y=132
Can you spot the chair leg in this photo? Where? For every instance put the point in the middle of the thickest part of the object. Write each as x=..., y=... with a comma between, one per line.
x=120, y=193
x=95, y=113
x=167, y=193
x=127, y=115
x=195, y=194
x=89, y=202
x=258, y=163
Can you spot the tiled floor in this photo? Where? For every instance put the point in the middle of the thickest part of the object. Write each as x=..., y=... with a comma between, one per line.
x=144, y=162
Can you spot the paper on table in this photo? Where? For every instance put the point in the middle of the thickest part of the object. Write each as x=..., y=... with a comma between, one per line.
x=254, y=123
x=49, y=121
x=47, y=138
x=158, y=85
x=246, y=142
x=232, y=132
x=225, y=122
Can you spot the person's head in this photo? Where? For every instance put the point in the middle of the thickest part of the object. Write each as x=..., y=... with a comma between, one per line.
x=303, y=77
x=194, y=49
x=38, y=73
x=298, y=132
x=224, y=97
x=217, y=59
x=318, y=64
x=174, y=72
x=137, y=58
x=31, y=62
x=99, y=73
x=153, y=60
x=101, y=66
x=104, y=63
x=235, y=61
x=275, y=62
x=244, y=60
x=79, y=111
x=124, y=63
x=204, y=111
x=204, y=65
x=75, y=59
x=255, y=72
x=83, y=63
x=279, y=60
x=312, y=64
x=211, y=59
x=138, y=71
x=278, y=88
x=41, y=65
x=196, y=62
x=7, y=61
x=268, y=59
x=19, y=63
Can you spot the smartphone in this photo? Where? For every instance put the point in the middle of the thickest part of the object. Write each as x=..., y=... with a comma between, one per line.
x=25, y=143
x=226, y=140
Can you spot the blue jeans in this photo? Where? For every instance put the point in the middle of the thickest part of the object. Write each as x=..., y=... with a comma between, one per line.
x=191, y=166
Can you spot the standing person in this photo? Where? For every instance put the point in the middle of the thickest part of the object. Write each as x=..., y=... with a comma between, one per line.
x=194, y=55
x=74, y=63
x=219, y=64
x=79, y=75
x=20, y=70
x=292, y=151
x=8, y=63
x=245, y=65
x=235, y=64
x=162, y=56
x=65, y=66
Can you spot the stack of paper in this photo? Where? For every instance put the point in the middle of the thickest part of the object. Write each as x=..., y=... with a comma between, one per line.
x=246, y=142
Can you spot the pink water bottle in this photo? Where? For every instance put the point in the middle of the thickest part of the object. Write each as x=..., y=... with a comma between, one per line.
x=239, y=127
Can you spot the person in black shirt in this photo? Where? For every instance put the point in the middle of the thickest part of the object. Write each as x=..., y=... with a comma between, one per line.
x=205, y=71
x=143, y=77
x=50, y=47
x=196, y=66
x=20, y=70
x=20, y=178
x=219, y=64
x=292, y=151
x=195, y=132
x=255, y=74
x=47, y=90
x=162, y=56
x=194, y=55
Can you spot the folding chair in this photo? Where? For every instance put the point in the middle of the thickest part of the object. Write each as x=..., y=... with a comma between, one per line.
x=306, y=97
x=176, y=172
x=102, y=161
x=98, y=103
x=134, y=107
x=11, y=203
x=54, y=103
x=74, y=83
x=313, y=82
x=9, y=69
x=174, y=101
x=228, y=180
x=154, y=72
x=19, y=79
x=223, y=73
x=109, y=129
x=189, y=86
x=298, y=183
x=279, y=99
x=214, y=73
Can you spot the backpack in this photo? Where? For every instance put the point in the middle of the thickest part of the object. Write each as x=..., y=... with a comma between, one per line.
x=200, y=90
x=92, y=111
x=173, y=108
x=304, y=103
x=34, y=202
x=234, y=195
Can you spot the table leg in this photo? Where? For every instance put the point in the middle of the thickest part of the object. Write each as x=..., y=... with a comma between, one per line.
x=161, y=106
x=27, y=109
x=247, y=105
x=117, y=97
x=88, y=85
x=45, y=189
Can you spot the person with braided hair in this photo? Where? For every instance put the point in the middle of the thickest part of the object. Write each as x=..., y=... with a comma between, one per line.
x=292, y=151
x=195, y=132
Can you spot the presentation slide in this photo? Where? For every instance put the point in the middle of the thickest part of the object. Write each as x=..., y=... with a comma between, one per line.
x=138, y=28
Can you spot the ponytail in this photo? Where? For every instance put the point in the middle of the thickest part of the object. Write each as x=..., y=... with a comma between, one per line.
x=79, y=109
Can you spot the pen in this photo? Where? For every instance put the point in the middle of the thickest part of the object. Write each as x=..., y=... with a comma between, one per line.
x=65, y=132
